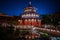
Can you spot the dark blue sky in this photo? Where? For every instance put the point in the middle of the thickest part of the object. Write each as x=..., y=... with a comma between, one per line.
x=15, y=7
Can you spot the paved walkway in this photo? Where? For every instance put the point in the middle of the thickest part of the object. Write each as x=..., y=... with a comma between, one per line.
x=49, y=31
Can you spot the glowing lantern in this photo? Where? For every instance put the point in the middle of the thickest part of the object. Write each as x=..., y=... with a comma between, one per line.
x=20, y=22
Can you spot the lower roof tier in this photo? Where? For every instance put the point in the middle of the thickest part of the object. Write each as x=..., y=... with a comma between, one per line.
x=30, y=16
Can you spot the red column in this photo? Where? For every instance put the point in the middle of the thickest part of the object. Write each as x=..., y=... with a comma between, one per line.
x=32, y=22
x=35, y=23
x=29, y=22
x=39, y=23
x=25, y=22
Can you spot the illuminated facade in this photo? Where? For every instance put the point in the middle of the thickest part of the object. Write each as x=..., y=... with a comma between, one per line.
x=30, y=16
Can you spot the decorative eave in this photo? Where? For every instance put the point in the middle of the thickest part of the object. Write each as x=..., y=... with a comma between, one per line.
x=3, y=14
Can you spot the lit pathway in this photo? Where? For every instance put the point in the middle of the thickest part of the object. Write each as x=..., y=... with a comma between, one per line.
x=49, y=31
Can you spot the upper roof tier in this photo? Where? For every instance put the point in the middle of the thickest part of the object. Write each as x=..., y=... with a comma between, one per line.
x=30, y=8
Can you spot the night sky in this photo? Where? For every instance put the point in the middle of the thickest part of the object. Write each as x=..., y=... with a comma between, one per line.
x=15, y=7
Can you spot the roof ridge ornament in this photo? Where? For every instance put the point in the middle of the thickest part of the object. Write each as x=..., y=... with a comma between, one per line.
x=30, y=2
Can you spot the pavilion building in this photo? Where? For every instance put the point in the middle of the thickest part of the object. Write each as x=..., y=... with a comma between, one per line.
x=30, y=16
